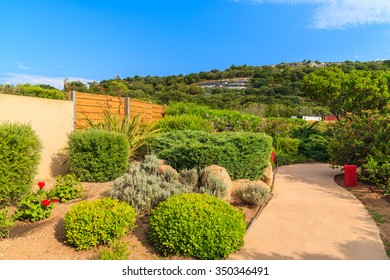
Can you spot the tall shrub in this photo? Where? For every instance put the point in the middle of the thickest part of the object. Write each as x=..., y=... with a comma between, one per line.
x=20, y=149
x=98, y=155
x=183, y=122
x=243, y=154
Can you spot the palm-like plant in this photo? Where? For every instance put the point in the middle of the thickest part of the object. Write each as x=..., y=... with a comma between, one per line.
x=136, y=130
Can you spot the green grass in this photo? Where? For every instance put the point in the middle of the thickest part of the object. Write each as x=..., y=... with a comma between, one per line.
x=377, y=217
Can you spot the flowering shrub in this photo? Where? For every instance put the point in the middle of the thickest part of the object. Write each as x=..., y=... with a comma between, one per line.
x=35, y=206
x=32, y=207
x=66, y=188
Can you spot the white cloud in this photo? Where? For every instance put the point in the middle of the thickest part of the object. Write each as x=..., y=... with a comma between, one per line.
x=57, y=82
x=23, y=67
x=339, y=14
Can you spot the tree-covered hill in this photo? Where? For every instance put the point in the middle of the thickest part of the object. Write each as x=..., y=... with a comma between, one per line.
x=272, y=90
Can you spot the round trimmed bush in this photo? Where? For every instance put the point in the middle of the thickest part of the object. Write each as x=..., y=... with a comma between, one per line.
x=91, y=223
x=197, y=225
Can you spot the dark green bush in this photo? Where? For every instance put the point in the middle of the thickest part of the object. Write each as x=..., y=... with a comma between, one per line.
x=90, y=223
x=98, y=155
x=183, y=122
x=242, y=154
x=20, y=150
x=197, y=225
x=286, y=159
x=315, y=147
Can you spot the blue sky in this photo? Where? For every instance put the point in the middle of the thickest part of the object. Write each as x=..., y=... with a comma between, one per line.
x=47, y=41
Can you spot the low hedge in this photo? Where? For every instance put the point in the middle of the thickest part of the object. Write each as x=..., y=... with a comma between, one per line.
x=196, y=225
x=98, y=155
x=243, y=154
x=20, y=149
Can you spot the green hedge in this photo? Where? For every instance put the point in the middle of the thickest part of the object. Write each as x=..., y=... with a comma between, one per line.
x=183, y=122
x=197, y=225
x=20, y=150
x=286, y=145
x=98, y=155
x=243, y=154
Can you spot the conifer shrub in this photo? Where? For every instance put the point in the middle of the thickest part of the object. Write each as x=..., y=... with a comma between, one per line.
x=242, y=154
x=90, y=223
x=253, y=194
x=196, y=225
x=142, y=188
x=20, y=149
x=98, y=155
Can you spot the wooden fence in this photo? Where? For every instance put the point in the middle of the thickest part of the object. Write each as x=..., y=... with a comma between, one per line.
x=92, y=106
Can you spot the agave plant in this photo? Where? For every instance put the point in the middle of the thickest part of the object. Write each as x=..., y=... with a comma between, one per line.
x=136, y=130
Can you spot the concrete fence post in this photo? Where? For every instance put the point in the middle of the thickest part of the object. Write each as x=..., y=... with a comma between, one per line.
x=73, y=98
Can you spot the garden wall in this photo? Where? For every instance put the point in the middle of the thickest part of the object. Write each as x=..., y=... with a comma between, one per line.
x=51, y=119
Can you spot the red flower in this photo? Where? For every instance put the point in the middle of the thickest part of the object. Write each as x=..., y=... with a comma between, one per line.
x=41, y=184
x=45, y=202
x=55, y=200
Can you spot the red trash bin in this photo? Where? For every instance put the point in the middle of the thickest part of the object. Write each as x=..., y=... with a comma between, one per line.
x=350, y=175
x=273, y=157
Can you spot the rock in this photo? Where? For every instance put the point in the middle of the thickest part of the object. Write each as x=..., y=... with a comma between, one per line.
x=220, y=173
x=163, y=169
x=268, y=175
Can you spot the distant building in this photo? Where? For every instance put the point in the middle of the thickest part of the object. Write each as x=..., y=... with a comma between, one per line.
x=239, y=83
x=311, y=118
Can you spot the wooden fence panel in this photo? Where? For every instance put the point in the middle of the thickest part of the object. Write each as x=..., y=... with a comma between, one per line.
x=92, y=106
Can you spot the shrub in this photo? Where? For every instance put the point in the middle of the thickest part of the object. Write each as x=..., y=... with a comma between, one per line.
x=183, y=122
x=214, y=186
x=142, y=188
x=357, y=137
x=6, y=223
x=282, y=126
x=196, y=225
x=34, y=207
x=221, y=120
x=286, y=145
x=90, y=223
x=66, y=188
x=285, y=159
x=189, y=177
x=242, y=154
x=20, y=150
x=118, y=250
x=135, y=130
x=376, y=169
x=315, y=147
x=98, y=155
x=253, y=194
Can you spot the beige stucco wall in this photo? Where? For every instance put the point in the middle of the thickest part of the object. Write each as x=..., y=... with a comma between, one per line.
x=51, y=119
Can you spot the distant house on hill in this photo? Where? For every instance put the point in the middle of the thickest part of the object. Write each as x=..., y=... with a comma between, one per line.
x=239, y=83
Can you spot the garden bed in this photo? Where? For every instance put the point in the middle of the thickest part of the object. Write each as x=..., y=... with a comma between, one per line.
x=44, y=240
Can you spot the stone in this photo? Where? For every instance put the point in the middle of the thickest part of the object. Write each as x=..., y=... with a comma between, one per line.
x=268, y=175
x=162, y=170
x=220, y=173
